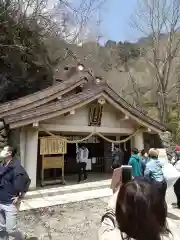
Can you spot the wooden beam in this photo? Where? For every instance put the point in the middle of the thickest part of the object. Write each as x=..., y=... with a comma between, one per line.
x=83, y=129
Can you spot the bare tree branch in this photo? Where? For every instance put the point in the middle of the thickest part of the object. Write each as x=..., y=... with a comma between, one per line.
x=162, y=24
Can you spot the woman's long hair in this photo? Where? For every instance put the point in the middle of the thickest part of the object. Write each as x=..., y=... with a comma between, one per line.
x=141, y=211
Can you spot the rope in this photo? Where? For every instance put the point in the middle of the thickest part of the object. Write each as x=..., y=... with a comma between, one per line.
x=125, y=147
x=117, y=141
x=92, y=134
x=79, y=140
x=112, y=147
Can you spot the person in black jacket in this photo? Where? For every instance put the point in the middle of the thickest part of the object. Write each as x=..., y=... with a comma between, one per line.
x=14, y=183
x=117, y=157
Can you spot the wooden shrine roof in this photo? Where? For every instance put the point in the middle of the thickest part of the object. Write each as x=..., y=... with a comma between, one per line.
x=41, y=97
x=41, y=111
x=54, y=101
x=66, y=104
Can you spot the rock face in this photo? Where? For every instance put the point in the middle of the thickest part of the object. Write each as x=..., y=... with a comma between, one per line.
x=3, y=135
x=167, y=142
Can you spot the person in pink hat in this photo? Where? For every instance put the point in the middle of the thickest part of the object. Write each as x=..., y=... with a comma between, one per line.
x=177, y=148
x=176, y=163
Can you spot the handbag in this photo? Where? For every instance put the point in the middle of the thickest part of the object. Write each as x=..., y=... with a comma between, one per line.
x=171, y=174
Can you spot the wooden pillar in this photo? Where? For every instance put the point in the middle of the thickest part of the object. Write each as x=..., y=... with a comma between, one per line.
x=138, y=141
x=31, y=155
x=22, y=146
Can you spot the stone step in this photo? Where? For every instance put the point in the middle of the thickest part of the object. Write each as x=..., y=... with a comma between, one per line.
x=67, y=189
x=65, y=198
x=65, y=194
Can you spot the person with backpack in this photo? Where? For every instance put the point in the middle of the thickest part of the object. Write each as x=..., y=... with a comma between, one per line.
x=136, y=162
x=14, y=183
x=117, y=157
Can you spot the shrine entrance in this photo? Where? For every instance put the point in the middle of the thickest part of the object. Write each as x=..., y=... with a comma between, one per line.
x=95, y=145
x=58, y=158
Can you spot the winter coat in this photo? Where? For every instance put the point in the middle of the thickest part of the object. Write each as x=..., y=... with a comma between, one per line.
x=153, y=171
x=13, y=181
x=136, y=162
x=145, y=160
x=118, y=157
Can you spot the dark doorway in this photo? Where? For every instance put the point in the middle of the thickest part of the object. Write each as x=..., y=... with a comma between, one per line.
x=96, y=155
x=96, y=151
x=70, y=159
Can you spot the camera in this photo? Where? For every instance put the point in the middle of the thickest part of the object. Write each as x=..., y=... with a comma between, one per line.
x=126, y=173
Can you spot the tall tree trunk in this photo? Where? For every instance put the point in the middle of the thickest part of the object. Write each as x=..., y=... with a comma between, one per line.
x=163, y=109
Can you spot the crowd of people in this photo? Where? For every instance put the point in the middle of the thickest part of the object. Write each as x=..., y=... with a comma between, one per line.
x=144, y=165
x=138, y=209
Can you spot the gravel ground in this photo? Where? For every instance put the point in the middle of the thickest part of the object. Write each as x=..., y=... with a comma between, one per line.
x=74, y=221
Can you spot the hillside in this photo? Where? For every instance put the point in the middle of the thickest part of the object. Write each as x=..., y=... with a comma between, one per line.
x=95, y=57
x=104, y=61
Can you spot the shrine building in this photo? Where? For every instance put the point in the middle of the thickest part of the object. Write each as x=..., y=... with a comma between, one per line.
x=78, y=107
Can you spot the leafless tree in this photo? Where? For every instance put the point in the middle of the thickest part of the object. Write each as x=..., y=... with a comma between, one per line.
x=57, y=20
x=159, y=22
x=122, y=58
x=67, y=19
x=71, y=22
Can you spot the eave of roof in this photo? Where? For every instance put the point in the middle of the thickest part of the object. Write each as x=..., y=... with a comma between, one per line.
x=41, y=97
x=128, y=107
x=76, y=100
x=50, y=109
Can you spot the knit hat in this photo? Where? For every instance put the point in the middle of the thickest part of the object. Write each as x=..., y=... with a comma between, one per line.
x=177, y=148
x=153, y=152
